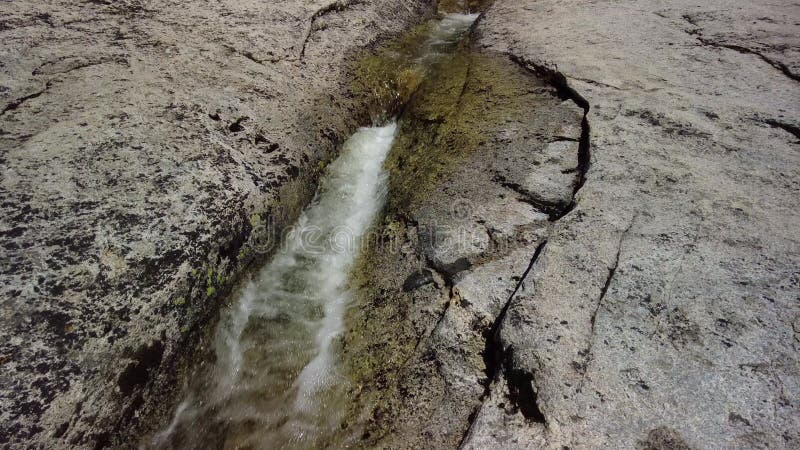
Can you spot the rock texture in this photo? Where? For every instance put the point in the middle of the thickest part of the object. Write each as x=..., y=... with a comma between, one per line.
x=150, y=151
x=676, y=273
x=660, y=308
x=593, y=223
x=488, y=156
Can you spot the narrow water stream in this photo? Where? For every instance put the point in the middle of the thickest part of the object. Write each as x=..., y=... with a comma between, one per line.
x=276, y=380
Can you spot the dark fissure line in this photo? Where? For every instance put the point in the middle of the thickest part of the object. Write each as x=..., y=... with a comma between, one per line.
x=698, y=34
x=337, y=6
x=554, y=211
x=589, y=357
x=792, y=129
x=499, y=360
x=747, y=51
x=493, y=344
x=521, y=392
x=565, y=91
x=495, y=357
x=471, y=421
x=18, y=102
x=248, y=54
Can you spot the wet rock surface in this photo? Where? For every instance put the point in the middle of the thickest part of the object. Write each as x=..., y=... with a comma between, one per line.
x=150, y=152
x=658, y=308
x=486, y=155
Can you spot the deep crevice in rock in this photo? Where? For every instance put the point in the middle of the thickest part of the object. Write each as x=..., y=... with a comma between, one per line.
x=499, y=359
x=337, y=6
x=553, y=210
x=789, y=128
x=494, y=353
x=521, y=391
x=236, y=126
x=565, y=91
x=137, y=373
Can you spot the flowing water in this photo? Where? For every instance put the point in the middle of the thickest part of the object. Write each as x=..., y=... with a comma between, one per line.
x=276, y=380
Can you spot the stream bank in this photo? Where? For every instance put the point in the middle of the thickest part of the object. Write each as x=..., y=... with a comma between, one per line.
x=271, y=376
x=486, y=158
x=638, y=290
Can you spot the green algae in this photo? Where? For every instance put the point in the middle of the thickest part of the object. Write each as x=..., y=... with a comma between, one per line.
x=379, y=339
x=386, y=78
x=448, y=120
x=445, y=108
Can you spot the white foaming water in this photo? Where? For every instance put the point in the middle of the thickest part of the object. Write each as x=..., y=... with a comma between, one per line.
x=445, y=35
x=276, y=382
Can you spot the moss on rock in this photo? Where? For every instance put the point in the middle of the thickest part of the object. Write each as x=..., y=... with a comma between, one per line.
x=386, y=78
x=461, y=106
x=448, y=120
